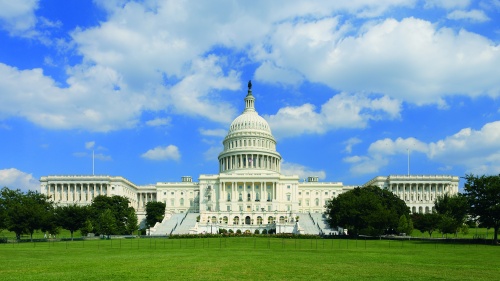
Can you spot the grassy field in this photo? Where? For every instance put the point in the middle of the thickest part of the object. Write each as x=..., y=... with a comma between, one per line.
x=247, y=258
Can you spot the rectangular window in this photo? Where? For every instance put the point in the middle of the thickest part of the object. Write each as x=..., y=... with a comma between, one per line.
x=228, y=208
x=288, y=186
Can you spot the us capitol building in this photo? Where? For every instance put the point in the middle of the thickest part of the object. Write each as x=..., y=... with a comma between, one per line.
x=249, y=193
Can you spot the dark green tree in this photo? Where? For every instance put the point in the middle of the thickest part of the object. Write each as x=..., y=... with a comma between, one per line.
x=405, y=225
x=155, y=211
x=124, y=216
x=25, y=213
x=368, y=210
x=106, y=223
x=453, y=211
x=426, y=222
x=71, y=217
x=483, y=196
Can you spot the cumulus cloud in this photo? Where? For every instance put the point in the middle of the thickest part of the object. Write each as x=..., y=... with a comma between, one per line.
x=170, y=152
x=411, y=60
x=213, y=133
x=447, y=4
x=154, y=56
x=157, y=122
x=16, y=179
x=212, y=153
x=350, y=143
x=472, y=15
x=300, y=170
x=18, y=17
x=476, y=150
x=341, y=111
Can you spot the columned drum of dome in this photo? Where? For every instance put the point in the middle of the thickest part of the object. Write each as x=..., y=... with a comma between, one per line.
x=249, y=145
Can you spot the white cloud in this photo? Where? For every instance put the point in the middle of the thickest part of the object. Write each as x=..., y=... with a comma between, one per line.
x=300, y=170
x=476, y=150
x=18, y=17
x=16, y=179
x=212, y=153
x=157, y=122
x=472, y=15
x=410, y=60
x=447, y=4
x=350, y=143
x=341, y=111
x=90, y=144
x=269, y=73
x=170, y=152
x=159, y=56
x=213, y=133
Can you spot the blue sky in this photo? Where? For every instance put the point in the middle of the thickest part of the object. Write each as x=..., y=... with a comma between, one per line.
x=348, y=87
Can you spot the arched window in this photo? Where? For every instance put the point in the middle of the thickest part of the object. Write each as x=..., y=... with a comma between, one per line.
x=282, y=219
x=259, y=220
x=214, y=219
x=236, y=220
x=270, y=219
x=224, y=220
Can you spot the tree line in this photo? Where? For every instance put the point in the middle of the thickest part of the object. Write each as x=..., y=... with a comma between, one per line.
x=374, y=211
x=25, y=213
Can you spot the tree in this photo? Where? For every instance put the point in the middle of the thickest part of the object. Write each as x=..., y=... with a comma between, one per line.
x=71, y=217
x=125, y=218
x=405, y=225
x=426, y=222
x=24, y=213
x=368, y=210
x=453, y=210
x=483, y=197
x=155, y=211
x=106, y=223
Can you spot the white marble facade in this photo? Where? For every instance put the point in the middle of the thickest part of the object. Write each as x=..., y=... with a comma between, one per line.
x=249, y=191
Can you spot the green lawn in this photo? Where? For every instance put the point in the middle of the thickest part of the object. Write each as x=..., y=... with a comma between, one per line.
x=247, y=258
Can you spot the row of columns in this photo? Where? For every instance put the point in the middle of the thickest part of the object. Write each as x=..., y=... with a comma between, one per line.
x=260, y=143
x=232, y=189
x=248, y=161
x=404, y=191
x=79, y=192
x=406, y=187
x=144, y=197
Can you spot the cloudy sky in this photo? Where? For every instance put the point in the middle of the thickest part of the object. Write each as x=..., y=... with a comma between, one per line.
x=350, y=88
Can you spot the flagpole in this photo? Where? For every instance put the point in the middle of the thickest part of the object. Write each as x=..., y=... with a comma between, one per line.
x=92, y=162
x=408, y=150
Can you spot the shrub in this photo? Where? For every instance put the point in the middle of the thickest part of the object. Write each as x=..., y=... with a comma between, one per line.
x=264, y=231
x=257, y=231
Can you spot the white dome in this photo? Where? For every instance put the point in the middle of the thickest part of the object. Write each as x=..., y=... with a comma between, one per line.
x=249, y=145
x=249, y=120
